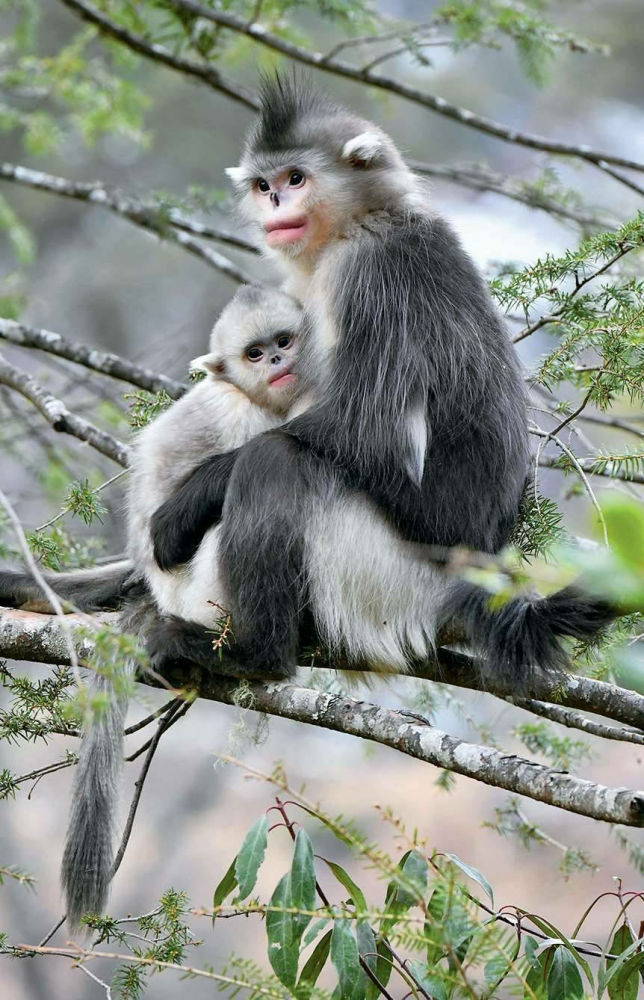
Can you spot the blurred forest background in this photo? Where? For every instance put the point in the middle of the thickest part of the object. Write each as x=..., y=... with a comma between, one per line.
x=106, y=283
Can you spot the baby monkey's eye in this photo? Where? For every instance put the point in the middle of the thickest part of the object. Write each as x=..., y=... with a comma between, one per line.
x=263, y=186
x=296, y=179
x=254, y=354
x=284, y=340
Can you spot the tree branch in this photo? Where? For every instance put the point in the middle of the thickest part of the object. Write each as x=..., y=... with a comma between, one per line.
x=61, y=419
x=98, y=361
x=480, y=178
x=137, y=210
x=206, y=74
x=587, y=465
x=29, y=636
x=319, y=61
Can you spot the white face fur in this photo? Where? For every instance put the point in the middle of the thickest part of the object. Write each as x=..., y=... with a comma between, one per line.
x=299, y=201
x=254, y=347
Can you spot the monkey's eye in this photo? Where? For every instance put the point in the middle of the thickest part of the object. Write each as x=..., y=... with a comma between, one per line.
x=296, y=179
x=284, y=340
x=263, y=186
x=254, y=354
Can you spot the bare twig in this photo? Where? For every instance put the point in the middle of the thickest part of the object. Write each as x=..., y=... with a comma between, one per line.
x=207, y=74
x=98, y=361
x=61, y=419
x=465, y=117
x=65, y=510
x=162, y=725
x=575, y=720
x=141, y=214
x=480, y=178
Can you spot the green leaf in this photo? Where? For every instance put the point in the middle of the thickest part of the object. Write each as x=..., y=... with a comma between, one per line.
x=225, y=887
x=251, y=856
x=564, y=979
x=552, y=931
x=431, y=984
x=302, y=882
x=625, y=525
x=313, y=968
x=313, y=931
x=345, y=879
x=283, y=951
x=346, y=959
x=475, y=874
x=414, y=868
x=496, y=970
x=367, y=947
x=622, y=940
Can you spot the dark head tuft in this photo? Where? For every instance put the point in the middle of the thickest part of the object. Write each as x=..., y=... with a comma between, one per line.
x=285, y=100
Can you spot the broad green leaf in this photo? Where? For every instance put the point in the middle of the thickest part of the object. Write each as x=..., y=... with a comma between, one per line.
x=537, y=977
x=313, y=931
x=225, y=887
x=311, y=971
x=251, y=856
x=283, y=952
x=550, y=929
x=302, y=882
x=431, y=984
x=564, y=979
x=433, y=927
x=475, y=874
x=414, y=868
x=625, y=525
x=607, y=974
x=616, y=990
x=345, y=879
x=367, y=945
x=530, y=949
x=496, y=970
x=346, y=960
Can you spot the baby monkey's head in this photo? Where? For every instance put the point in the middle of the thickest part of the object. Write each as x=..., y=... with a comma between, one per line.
x=254, y=345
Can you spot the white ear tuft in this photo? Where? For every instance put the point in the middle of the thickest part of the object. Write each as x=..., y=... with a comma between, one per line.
x=363, y=149
x=236, y=174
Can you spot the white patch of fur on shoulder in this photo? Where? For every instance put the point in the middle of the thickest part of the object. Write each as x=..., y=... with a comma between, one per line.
x=363, y=148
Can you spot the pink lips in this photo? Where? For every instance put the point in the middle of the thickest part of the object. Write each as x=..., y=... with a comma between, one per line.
x=285, y=231
x=277, y=383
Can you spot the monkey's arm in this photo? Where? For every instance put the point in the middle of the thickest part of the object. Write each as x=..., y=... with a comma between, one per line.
x=179, y=524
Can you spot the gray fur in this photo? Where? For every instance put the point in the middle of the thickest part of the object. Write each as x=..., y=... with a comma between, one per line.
x=98, y=589
x=232, y=404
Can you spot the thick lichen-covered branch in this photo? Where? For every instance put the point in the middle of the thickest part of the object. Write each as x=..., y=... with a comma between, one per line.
x=28, y=636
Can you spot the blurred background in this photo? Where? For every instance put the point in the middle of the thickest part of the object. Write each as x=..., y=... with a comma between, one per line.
x=106, y=283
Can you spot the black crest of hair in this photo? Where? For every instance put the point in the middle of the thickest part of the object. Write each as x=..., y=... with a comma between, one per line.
x=285, y=100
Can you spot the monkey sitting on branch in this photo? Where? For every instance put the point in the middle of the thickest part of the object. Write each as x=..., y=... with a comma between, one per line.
x=416, y=437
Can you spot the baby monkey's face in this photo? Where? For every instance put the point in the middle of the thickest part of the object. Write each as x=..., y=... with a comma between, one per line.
x=262, y=368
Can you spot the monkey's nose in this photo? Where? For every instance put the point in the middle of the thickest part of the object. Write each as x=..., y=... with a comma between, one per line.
x=275, y=199
x=275, y=360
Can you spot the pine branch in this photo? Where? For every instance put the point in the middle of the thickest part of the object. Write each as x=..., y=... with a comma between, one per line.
x=60, y=417
x=138, y=212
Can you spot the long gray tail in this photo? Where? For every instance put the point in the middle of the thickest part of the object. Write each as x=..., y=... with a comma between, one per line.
x=97, y=589
x=523, y=637
x=88, y=858
x=89, y=848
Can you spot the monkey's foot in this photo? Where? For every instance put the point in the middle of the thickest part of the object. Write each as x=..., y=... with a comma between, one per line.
x=173, y=642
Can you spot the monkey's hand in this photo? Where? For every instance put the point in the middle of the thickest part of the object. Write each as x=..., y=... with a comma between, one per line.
x=178, y=525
